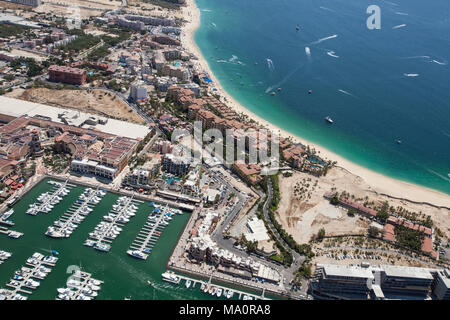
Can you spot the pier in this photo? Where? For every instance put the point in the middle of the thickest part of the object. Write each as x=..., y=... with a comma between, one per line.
x=150, y=232
x=69, y=221
x=81, y=286
x=26, y=276
x=106, y=231
x=47, y=201
x=208, y=284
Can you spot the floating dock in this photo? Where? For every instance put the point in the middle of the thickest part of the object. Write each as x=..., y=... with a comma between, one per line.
x=209, y=285
x=69, y=221
x=80, y=287
x=151, y=231
x=48, y=200
x=26, y=276
x=111, y=226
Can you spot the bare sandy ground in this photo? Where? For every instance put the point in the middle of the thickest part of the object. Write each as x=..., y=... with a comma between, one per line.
x=92, y=101
x=376, y=182
x=303, y=210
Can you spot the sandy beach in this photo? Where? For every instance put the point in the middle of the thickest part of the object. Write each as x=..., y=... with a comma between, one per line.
x=377, y=182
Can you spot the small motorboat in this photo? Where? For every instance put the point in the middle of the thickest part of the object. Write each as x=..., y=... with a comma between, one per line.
x=328, y=119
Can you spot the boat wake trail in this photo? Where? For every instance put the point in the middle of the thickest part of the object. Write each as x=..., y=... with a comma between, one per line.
x=213, y=24
x=270, y=64
x=326, y=9
x=286, y=78
x=411, y=74
x=346, y=92
x=332, y=54
x=401, y=13
x=324, y=39
x=440, y=63
x=429, y=59
x=233, y=60
x=439, y=175
x=206, y=10
x=399, y=26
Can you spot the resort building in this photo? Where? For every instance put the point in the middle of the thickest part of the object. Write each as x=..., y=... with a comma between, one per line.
x=378, y=282
x=33, y=3
x=203, y=249
x=441, y=285
x=342, y=282
x=176, y=165
x=138, y=91
x=67, y=75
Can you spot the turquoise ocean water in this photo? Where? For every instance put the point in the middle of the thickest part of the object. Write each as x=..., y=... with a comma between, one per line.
x=377, y=85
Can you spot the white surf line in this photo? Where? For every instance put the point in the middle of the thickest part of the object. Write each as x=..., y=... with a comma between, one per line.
x=399, y=26
x=324, y=39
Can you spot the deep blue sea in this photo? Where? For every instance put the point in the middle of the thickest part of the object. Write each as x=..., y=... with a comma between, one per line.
x=379, y=86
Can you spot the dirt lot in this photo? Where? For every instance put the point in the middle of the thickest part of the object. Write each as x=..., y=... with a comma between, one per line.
x=303, y=210
x=14, y=6
x=348, y=250
x=88, y=8
x=99, y=102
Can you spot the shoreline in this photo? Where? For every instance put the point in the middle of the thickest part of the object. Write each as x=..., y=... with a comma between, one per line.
x=378, y=182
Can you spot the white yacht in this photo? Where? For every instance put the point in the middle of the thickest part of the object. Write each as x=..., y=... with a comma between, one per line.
x=219, y=292
x=188, y=283
x=170, y=277
x=137, y=254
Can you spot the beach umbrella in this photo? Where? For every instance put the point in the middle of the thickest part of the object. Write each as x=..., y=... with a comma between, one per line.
x=20, y=185
x=14, y=187
x=14, y=183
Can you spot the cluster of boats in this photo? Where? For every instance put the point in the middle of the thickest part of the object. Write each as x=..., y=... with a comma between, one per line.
x=4, y=256
x=47, y=200
x=69, y=221
x=217, y=291
x=151, y=231
x=110, y=228
x=6, y=294
x=5, y=216
x=37, y=268
x=80, y=287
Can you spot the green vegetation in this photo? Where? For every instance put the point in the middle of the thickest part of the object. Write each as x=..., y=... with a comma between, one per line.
x=167, y=4
x=321, y=234
x=373, y=232
x=7, y=30
x=83, y=42
x=33, y=68
x=334, y=200
x=383, y=214
x=409, y=238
